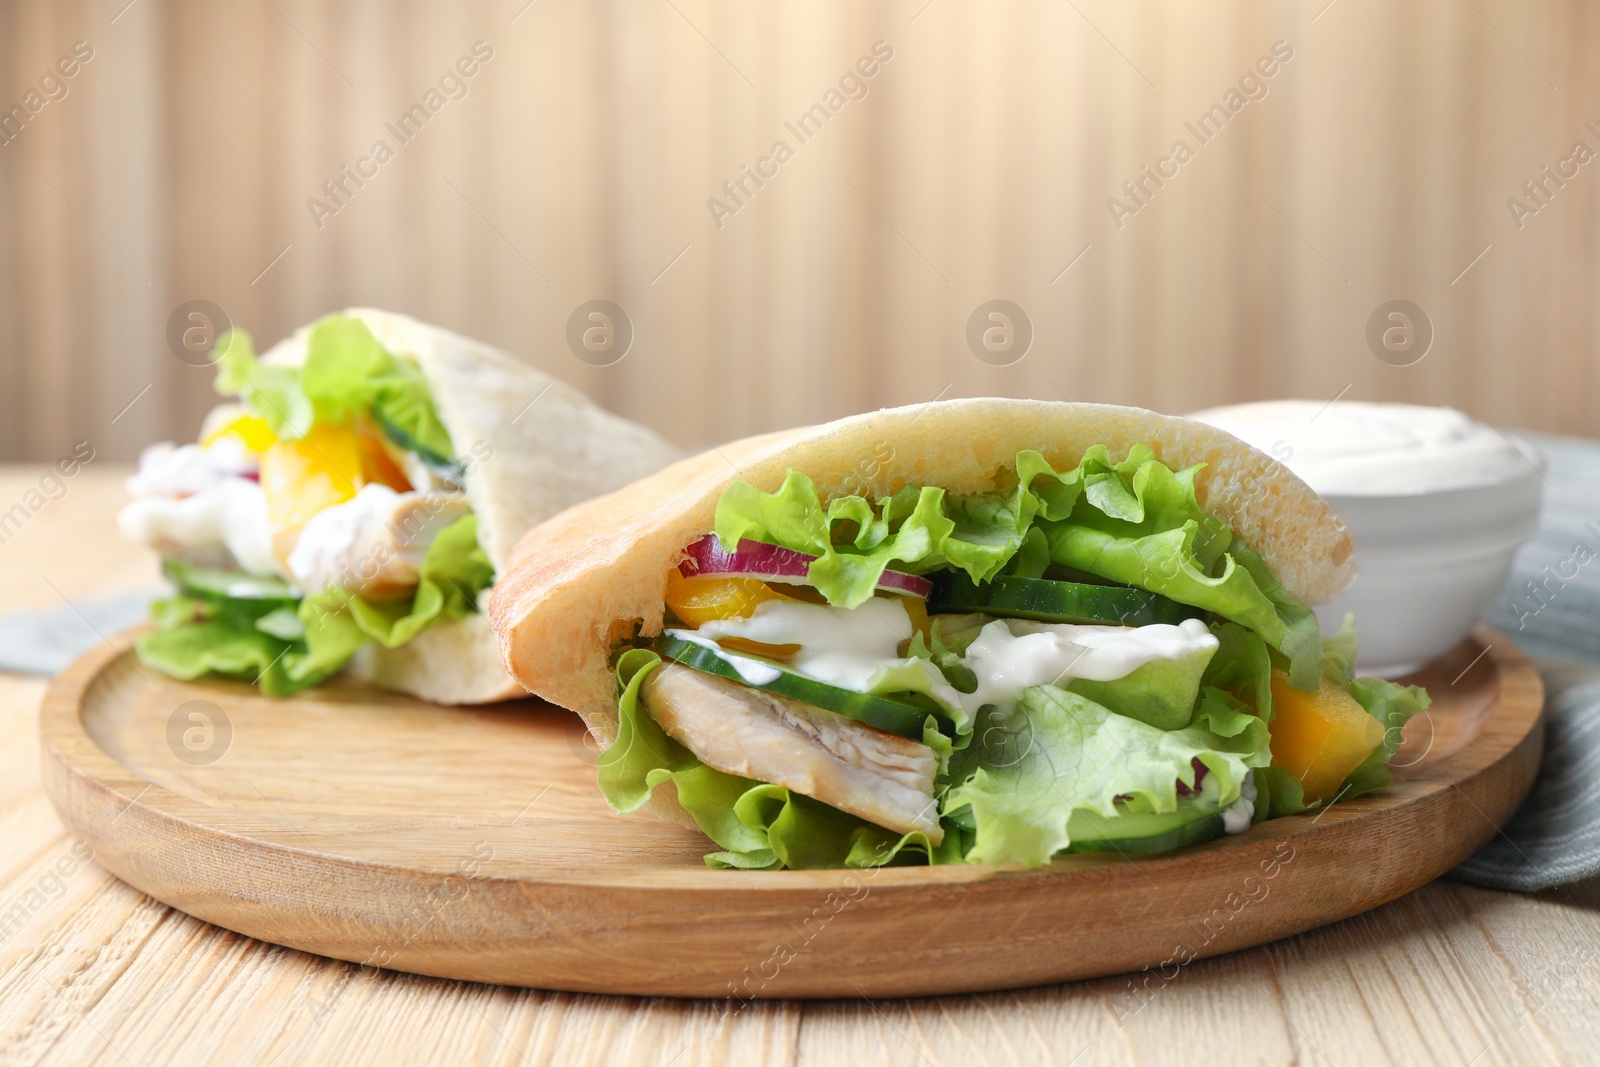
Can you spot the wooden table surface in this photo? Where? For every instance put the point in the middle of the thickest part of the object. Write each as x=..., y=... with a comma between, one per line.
x=93, y=972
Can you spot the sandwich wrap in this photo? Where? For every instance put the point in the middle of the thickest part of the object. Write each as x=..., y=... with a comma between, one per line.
x=492, y=438
x=586, y=591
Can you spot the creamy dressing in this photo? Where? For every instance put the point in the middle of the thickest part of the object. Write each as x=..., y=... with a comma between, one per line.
x=1006, y=662
x=1236, y=817
x=231, y=514
x=233, y=455
x=846, y=647
x=855, y=648
x=179, y=470
x=1363, y=448
x=193, y=498
x=753, y=671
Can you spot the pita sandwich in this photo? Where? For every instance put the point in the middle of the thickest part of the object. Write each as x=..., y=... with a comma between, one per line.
x=351, y=505
x=979, y=630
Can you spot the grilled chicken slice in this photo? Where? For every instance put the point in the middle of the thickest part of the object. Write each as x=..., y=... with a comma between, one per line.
x=737, y=729
x=373, y=544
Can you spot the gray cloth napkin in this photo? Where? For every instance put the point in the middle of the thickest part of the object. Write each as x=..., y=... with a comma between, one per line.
x=44, y=642
x=1553, y=840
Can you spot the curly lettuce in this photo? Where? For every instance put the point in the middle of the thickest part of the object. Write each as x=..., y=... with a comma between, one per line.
x=285, y=647
x=197, y=635
x=347, y=374
x=1136, y=522
x=1057, y=753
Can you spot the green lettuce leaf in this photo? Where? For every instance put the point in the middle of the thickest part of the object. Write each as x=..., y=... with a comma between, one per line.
x=218, y=647
x=229, y=636
x=755, y=825
x=453, y=572
x=1140, y=524
x=794, y=517
x=274, y=393
x=1058, y=752
x=1241, y=666
x=1392, y=705
x=1236, y=699
x=1136, y=522
x=916, y=529
x=203, y=632
x=944, y=646
x=347, y=374
x=1339, y=651
x=1161, y=693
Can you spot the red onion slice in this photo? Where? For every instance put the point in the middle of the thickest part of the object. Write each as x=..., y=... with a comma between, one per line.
x=773, y=563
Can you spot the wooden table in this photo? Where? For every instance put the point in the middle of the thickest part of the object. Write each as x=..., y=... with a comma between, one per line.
x=96, y=973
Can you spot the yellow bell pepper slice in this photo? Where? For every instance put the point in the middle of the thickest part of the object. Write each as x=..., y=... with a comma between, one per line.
x=698, y=601
x=301, y=478
x=251, y=430
x=376, y=463
x=1319, y=737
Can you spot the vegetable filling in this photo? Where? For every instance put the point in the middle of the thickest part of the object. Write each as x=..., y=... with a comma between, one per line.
x=320, y=512
x=1085, y=660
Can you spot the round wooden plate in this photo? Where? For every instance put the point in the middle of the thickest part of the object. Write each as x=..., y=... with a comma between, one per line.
x=473, y=844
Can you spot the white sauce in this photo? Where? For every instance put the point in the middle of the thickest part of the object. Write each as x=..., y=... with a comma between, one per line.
x=179, y=470
x=1006, y=663
x=1371, y=449
x=853, y=647
x=1236, y=817
x=194, y=498
x=232, y=514
x=753, y=671
x=231, y=454
x=845, y=647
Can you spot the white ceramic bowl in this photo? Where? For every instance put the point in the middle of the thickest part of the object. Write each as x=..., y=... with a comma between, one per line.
x=1429, y=564
x=1437, y=505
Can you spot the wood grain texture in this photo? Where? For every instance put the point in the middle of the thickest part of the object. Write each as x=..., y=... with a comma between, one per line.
x=473, y=844
x=978, y=166
x=102, y=975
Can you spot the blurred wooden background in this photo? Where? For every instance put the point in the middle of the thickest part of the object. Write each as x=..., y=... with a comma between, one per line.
x=578, y=164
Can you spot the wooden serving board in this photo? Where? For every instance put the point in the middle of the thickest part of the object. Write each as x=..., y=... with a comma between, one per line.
x=473, y=844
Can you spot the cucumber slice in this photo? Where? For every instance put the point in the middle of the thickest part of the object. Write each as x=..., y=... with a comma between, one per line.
x=211, y=583
x=1043, y=600
x=883, y=713
x=443, y=466
x=1143, y=831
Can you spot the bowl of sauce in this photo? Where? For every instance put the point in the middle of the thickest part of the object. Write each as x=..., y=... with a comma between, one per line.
x=1437, y=505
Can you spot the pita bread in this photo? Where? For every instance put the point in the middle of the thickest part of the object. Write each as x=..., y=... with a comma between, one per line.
x=597, y=572
x=540, y=445
x=456, y=662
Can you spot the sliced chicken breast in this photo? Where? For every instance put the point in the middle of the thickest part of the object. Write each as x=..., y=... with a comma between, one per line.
x=737, y=729
x=373, y=544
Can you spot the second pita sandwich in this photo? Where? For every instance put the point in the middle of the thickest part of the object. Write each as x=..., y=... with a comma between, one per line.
x=358, y=495
x=983, y=630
